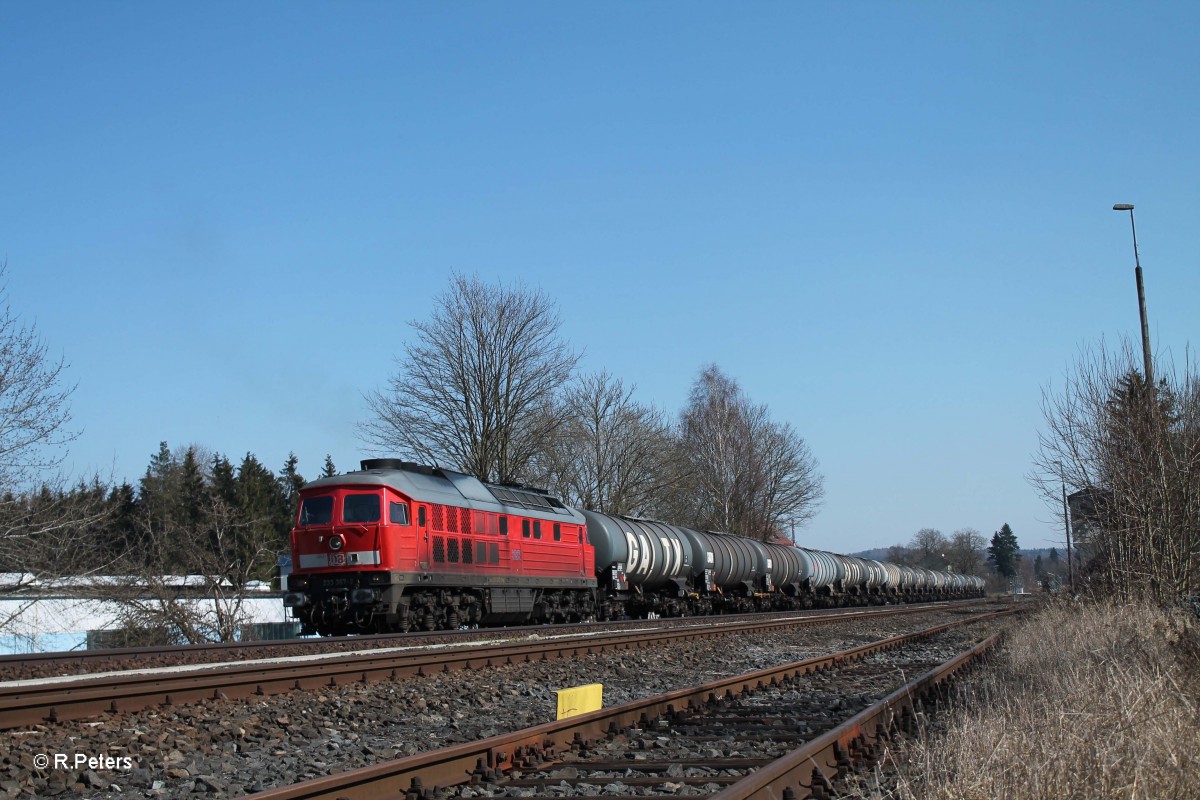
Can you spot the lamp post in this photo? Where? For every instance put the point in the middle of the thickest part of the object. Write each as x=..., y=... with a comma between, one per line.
x=1067, y=527
x=1141, y=296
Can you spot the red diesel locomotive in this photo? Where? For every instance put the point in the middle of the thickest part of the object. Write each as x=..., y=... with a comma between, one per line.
x=400, y=546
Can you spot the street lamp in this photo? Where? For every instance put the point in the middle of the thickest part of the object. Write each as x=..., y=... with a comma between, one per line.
x=1141, y=296
x=1067, y=527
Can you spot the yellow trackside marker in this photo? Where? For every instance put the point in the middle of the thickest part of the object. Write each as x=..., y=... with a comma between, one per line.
x=579, y=699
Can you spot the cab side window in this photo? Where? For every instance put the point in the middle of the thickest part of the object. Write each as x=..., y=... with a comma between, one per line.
x=398, y=513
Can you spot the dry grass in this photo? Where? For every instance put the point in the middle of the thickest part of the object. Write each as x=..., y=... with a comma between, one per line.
x=1092, y=701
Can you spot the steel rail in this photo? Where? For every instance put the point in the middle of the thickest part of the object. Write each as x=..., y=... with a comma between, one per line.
x=25, y=703
x=418, y=775
x=809, y=770
x=75, y=657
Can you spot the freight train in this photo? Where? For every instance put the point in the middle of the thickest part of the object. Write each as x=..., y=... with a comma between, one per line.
x=398, y=546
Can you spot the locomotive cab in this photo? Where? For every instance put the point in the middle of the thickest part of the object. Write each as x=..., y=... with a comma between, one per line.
x=352, y=526
x=353, y=537
x=348, y=542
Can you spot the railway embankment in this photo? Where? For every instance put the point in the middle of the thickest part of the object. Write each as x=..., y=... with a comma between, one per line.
x=1083, y=700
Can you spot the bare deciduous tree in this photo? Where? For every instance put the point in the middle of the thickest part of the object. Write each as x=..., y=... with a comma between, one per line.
x=899, y=554
x=785, y=488
x=965, y=551
x=612, y=454
x=1135, y=449
x=43, y=522
x=43, y=532
x=746, y=473
x=47, y=534
x=34, y=407
x=929, y=548
x=476, y=390
x=220, y=553
x=713, y=436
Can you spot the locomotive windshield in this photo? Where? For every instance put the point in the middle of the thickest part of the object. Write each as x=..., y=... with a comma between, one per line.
x=316, y=511
x=360, y=508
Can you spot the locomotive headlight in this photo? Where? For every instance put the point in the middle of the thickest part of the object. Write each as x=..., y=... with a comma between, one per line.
x=336, y=543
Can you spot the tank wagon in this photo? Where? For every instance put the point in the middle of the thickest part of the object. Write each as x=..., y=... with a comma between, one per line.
x=398, y=546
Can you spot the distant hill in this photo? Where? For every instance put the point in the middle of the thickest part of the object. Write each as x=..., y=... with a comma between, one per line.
x=878, y=553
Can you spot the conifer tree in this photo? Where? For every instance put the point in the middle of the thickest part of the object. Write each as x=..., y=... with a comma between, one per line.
x=290, y=484
x=263, y=512
x=1003, y=552
x=155, y=490
x=224, y=481
x=193, y=494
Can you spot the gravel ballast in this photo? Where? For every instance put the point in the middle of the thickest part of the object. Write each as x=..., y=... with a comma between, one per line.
x=230, y=748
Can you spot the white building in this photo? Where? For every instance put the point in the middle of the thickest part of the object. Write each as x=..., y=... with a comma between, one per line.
x=43, y=616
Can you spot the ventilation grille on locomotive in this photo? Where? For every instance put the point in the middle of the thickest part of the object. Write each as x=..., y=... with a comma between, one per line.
x=524, y=498
x=451, y=519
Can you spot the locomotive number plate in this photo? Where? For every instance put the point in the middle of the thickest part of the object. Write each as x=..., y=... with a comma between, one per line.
x=337, y=559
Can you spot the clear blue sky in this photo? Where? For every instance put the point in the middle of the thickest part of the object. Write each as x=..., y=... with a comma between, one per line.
x=890, y=222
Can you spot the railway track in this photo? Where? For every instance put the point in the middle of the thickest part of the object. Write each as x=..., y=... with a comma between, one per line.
x=761, y=735
x=79, y=662
x=27, y=703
